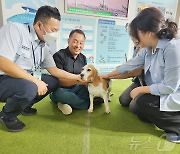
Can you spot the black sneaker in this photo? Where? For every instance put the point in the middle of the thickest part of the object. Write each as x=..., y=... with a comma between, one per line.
x=29, y=111
x=172, y=138
x=12, y=125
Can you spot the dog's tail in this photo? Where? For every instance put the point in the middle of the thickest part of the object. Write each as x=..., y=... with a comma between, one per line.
x=109, y=85
x=109, y=82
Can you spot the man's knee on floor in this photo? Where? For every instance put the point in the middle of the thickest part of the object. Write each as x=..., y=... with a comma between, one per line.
x=58, y=92
x=59, y=95
x=133, y=106
x=123, y=100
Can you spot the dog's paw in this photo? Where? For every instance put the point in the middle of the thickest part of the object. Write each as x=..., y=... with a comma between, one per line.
x=90, y=110
x=107, y=111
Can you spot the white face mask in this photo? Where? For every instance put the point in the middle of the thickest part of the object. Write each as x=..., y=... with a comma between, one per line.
x=50, y=37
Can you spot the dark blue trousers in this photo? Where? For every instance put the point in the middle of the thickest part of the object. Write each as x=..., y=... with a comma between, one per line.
x=19, y=93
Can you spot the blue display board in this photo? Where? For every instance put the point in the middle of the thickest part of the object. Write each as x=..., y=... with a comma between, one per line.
x=23, y=11
x=112, y=43
x=106, y=43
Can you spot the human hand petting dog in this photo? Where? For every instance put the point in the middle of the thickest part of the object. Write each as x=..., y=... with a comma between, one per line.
x=81, y=81
x=104, y=76
x=111, y=75
x=79, y=78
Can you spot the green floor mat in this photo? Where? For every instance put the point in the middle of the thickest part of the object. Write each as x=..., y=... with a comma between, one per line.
x=120, y=132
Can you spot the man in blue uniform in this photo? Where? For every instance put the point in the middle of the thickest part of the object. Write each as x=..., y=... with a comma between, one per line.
x=23, y=53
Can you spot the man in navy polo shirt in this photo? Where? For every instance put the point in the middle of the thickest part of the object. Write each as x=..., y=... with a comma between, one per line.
x=72, y=93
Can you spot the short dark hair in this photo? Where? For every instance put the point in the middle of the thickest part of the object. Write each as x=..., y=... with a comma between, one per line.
x=152, y=20
x=47, y=12
x=77, y=31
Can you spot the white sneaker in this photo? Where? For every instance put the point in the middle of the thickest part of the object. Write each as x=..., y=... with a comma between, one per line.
x=65, y=108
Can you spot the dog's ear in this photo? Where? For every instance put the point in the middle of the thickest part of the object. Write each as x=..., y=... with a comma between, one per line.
x=90, y=78
x=95, y=73
x=96, y=77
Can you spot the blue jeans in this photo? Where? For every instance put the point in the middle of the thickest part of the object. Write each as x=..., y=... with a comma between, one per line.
x=77, y=96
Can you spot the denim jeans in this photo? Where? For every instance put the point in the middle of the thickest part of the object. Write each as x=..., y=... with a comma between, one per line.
x=76, y=96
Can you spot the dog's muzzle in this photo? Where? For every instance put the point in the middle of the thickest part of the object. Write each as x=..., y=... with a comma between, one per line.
x=82, y=76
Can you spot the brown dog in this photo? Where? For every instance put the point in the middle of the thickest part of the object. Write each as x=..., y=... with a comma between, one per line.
x=97, y=86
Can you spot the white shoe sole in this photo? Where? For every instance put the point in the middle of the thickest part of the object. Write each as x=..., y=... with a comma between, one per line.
x=65, y=108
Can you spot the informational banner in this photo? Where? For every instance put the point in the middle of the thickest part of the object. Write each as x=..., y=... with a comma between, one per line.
x=22, y=11
x=87, y=25
x=112, y=45
x=168, y=7
x=106, y=43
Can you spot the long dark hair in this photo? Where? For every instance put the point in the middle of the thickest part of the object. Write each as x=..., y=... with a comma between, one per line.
x=152, y=20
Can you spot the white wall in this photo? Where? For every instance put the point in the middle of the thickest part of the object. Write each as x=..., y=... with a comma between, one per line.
x=1, y=16
x=179, y=28
x=178, y=17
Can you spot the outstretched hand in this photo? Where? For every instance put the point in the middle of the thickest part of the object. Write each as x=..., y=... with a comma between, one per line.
x=104, y=76
x=81, y=81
